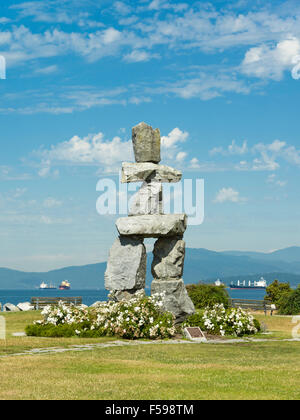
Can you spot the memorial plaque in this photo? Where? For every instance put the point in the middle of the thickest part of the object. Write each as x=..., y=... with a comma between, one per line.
x=194, y=334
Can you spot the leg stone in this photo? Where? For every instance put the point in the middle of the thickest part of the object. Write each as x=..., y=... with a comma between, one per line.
x=176, y=299
x=126, y=266
x=168, y=258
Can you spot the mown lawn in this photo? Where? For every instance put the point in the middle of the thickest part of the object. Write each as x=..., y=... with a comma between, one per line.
x=269, y=370
x=279, y=326
x=187, y=371
x=17, y=321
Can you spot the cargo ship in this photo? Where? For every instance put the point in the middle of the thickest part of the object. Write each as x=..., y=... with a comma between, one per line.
x=260, y=284
x=65, y=285
x=45, y=286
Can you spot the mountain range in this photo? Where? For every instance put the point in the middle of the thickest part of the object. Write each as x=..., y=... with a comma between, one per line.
x=200, y=265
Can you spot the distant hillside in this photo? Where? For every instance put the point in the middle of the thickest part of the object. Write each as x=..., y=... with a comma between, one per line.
x=200, y=265
x=289, y=255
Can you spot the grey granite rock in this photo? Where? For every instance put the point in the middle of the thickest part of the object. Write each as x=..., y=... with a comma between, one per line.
x=168, y=258
x=152, y=226
x=126, y=266
x=9, y=307
x=146, y=143
x=25, y=306
x=148, y=200
x=123, y=295
x=148, y=171
x=176, y=298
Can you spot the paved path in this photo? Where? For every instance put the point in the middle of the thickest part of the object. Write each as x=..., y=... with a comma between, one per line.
x=119, y=343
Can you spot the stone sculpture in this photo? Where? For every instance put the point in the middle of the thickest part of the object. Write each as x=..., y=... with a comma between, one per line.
x=126, y=267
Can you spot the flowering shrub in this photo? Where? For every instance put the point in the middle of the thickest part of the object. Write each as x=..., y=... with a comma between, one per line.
x=218, y=320
x=140, y=317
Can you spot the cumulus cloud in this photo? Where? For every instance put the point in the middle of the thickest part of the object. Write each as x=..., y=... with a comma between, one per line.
x=228, y=195
x=171, y=145
x=271, y=62
x=92, y=150
x=96, y=150
x=173, y=138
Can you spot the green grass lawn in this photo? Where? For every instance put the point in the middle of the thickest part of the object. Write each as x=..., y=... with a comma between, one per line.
x=17, y=321
x=279, y=326
x=186, y=371
x=269, y=370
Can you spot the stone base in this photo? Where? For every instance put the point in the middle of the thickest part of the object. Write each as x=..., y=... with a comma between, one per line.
x=176, y=299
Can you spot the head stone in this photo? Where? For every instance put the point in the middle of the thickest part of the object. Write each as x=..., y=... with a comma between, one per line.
x=146, y=143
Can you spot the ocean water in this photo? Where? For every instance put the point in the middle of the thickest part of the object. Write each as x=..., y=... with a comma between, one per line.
x=254, y=294
x=17, y=296
x=91, y=296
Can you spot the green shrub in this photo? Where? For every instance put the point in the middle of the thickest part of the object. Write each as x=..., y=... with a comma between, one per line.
x=50, y=330
x=207, y=295
x=289, y=303
x=195, y=320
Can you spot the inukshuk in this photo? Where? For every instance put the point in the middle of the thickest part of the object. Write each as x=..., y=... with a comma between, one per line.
x=126, y=267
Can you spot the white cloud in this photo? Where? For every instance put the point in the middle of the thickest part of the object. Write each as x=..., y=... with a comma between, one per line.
x=8, y=173
x=97, y=151
x=51, y=202
x=181, y=156
x=64, y=100
x=171, y=146
x=122, y=8
x=47, y=70
x=92, y=150
x=272, y=179
x=137, y=56
x=19, y=192
x=267, y=156
x=4, y=20
x=233, y=149
x=194, y=164
x=173, y=138
x=228, y=195
x=204, y=86
x=271, y=62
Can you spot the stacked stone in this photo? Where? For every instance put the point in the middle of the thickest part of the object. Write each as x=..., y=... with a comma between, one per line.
x=126, y=267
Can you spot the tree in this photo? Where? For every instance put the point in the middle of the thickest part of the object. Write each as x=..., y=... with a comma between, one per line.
x=277, y=291
x=207, y=295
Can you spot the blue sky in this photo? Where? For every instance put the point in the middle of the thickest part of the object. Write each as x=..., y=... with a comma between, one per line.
x=222, y=82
